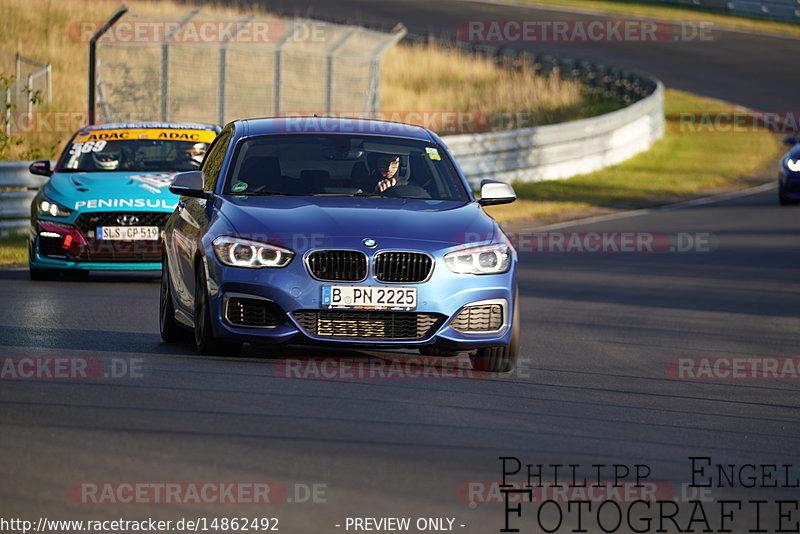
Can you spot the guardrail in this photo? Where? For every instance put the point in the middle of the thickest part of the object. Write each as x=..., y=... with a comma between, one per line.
x=782, y=10
x=567, y=149
x=561, y=150
x=15, y=198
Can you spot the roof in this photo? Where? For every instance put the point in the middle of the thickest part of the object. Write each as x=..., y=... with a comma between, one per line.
x=152, y=124
x=334, y=125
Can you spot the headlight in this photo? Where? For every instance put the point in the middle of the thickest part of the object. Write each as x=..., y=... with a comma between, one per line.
x=52, y=209
x=488, y=259
x=238, y=252
x=793, y=164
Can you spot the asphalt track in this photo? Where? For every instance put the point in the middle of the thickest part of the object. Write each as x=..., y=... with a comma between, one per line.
x=595, y=384
x=753, y=70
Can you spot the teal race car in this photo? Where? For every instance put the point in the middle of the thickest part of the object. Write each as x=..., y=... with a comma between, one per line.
x=108, y=199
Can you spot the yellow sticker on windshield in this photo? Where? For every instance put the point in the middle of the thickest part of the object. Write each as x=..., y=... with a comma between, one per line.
x=433, y=153
x=155, y=134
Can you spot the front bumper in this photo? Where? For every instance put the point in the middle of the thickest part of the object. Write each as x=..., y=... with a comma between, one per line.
x=63, y=245
x=442, y=296
x=38, y=262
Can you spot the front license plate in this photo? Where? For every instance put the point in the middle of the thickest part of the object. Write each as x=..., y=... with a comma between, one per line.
x=127, y=233
x=369, y=297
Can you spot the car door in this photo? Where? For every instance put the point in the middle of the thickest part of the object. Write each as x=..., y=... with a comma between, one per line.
x=192, y=221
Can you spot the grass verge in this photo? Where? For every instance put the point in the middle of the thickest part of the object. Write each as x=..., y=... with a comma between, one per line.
x=682, y=165
x=632, y=8
x=13, y=250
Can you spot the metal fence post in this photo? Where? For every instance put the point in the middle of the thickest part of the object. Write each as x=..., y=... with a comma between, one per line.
x=374, y=96
x=223, y=68
x=18, y=76
x=164, y=80
x=49, y=78
x=7, y=112
x=329, y=67
x=165, y=64
x=276, y=78
x=93, y=56
x=29, y=90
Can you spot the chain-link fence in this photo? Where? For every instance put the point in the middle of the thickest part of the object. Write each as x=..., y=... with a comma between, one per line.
x=27, y=83
x=210, y=69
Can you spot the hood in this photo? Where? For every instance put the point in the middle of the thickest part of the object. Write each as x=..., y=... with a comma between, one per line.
x=114, y=190
x=387, y=220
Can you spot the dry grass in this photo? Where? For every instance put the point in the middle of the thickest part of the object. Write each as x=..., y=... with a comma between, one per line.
x=414, y=79
x=13, y=250
x=46, y=30
x=438, y=79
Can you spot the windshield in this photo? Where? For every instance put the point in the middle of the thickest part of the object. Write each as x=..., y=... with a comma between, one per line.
x=338, y=164
x=150, y=150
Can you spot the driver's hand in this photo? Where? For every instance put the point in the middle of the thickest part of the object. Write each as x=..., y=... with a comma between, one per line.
x=385, y=184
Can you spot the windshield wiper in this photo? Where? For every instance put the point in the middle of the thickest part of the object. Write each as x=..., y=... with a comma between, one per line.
x=376, y=195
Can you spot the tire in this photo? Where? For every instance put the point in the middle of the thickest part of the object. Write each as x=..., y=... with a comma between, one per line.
x=502, y=359
x=171, y=331
x=783, y=200
x=204, y=339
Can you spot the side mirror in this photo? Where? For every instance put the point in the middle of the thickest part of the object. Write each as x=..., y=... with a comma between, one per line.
x=189, y=184
x=41, y=167
x=790, y=140
x=494, y=192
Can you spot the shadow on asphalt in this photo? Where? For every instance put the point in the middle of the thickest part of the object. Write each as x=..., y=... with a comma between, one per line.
x=95, y=276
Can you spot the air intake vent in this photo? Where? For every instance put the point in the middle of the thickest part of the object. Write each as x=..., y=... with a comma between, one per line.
x=338, y=265
x=372, y=325
x=480, y=318
x=406, y=267
x=253, y=313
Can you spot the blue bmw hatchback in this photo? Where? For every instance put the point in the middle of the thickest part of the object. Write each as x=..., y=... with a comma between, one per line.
x=342, y=232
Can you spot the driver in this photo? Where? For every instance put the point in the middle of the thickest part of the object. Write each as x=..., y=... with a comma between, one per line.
x=386, y=173
x=195, y=153
x=108, y=160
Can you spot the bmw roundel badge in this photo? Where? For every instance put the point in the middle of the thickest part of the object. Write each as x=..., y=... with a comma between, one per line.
x=369, y=243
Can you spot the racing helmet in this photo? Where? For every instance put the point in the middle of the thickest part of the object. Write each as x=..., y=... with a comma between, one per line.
x=108, y=160
x=195, y=152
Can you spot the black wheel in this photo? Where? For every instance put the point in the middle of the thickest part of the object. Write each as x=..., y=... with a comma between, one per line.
x=783, y=200
x=171, y=331
x=204, y=339
x=500, y=359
